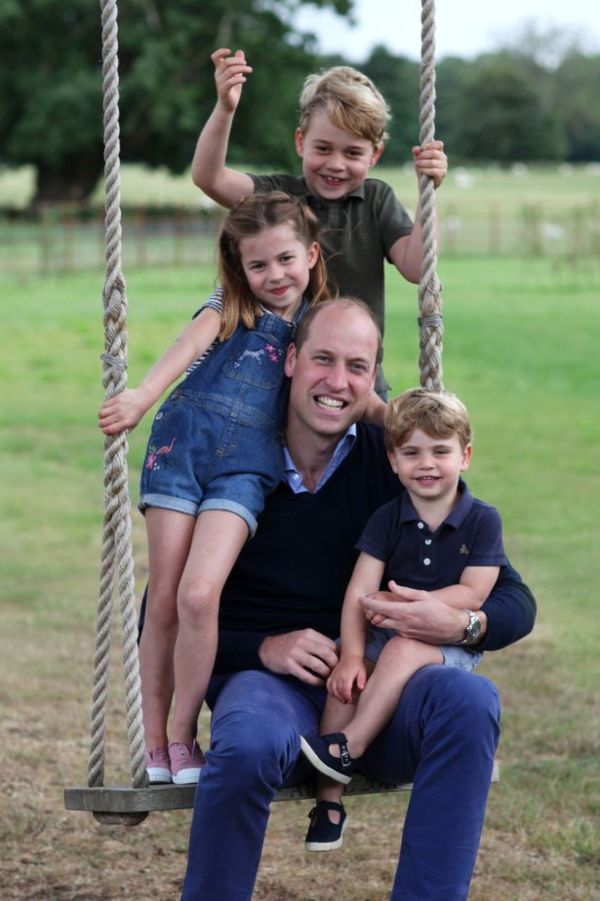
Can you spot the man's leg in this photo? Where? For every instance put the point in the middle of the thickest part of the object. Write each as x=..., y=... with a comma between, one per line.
x=443, y=738
x=255, y=741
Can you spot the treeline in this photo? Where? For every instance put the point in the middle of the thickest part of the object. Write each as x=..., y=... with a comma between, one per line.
x=506, y=106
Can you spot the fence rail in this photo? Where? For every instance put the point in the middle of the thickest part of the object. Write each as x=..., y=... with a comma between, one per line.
x=71, y=240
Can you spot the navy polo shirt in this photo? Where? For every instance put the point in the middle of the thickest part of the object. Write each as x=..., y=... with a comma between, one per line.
x=416, y=557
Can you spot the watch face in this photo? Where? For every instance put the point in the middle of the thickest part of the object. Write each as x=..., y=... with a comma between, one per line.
x=473, y=629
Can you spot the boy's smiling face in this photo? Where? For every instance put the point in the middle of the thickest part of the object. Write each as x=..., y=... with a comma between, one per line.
x=334, y=162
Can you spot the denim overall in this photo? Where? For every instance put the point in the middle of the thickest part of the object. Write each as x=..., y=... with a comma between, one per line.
x=215, y=443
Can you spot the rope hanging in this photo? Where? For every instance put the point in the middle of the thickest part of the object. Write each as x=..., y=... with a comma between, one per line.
x=430, y=297
x=117, y=555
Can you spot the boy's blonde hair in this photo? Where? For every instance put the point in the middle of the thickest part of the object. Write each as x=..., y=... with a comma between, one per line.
x=438, y=414
x=351, y=101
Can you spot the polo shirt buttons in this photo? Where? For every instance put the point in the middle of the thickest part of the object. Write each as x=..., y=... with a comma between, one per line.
x=428, y=541
x=426, y=561
x=420, y=525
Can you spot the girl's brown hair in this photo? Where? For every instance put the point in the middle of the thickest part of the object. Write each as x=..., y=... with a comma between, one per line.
x=248, y=217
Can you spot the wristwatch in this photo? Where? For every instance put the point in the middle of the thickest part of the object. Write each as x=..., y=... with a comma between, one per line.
x=473, y=629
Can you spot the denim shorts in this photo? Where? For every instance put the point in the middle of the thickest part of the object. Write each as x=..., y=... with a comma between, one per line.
x=457, y=656
x=206, y=454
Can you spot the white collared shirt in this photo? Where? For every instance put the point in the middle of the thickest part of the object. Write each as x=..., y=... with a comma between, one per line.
x=342, y=449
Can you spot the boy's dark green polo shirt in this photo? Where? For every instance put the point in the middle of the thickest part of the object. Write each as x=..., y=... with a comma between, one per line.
x=357, y=233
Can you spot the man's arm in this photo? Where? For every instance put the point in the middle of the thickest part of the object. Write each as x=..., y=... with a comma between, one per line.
x=209, y=172
x=507, y=615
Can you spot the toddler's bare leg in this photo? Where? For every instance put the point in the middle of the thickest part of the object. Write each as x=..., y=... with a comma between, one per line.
x=399, y=660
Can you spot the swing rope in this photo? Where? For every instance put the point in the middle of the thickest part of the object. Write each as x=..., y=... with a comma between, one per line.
x=430, y=296
x=117, y=554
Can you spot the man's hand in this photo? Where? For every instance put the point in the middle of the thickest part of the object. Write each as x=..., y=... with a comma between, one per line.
x=417, y=614
x=230, y=76
x=348, y=675
x=306, y=654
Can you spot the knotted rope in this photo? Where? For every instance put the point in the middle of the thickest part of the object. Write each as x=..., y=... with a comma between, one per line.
x=117, y=555
x=430, y=297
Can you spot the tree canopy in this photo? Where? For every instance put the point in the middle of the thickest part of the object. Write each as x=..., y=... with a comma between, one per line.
x=534, y=100
x=51, y=84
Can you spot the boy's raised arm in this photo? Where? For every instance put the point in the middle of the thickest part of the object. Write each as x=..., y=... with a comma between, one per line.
x=209, y=172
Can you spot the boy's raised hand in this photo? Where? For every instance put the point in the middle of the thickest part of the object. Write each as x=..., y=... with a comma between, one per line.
x=230, y=76
x=431, y=160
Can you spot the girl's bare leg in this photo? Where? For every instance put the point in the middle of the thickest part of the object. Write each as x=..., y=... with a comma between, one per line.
x=169, y=538
x=217, y=541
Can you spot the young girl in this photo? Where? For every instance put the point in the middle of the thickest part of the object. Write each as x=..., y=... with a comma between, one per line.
x=213, y=454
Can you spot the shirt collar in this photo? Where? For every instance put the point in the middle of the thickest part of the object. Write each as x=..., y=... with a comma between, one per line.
x=455, y=518
x=293, y=478
x=314, y=200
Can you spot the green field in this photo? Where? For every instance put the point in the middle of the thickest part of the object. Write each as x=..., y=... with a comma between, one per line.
x=520, y=349
x=520, y=211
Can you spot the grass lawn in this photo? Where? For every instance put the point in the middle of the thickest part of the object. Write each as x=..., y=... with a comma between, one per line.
x=521, y=350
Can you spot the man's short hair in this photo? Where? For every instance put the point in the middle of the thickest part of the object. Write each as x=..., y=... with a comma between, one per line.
x=351, y=101
x=439, y=414
x=348, y=303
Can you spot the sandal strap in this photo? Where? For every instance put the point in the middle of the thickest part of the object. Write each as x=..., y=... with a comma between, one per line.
x=326, y=805
x=338, y=738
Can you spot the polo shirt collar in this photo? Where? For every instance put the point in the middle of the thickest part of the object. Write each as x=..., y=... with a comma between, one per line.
x=455, y=518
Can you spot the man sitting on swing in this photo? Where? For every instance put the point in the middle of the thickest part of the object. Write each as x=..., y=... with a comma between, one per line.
x=280, y=615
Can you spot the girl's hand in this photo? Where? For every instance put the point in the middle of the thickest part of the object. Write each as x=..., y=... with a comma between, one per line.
x=431, y=160
x=123, y=411
x=350, y=673
x=230, y=76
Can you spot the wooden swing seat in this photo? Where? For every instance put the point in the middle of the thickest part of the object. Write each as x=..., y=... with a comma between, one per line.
x=129, y=806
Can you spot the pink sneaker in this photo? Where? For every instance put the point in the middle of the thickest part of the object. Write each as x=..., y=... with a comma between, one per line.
x=186, y=762
x=157, y=765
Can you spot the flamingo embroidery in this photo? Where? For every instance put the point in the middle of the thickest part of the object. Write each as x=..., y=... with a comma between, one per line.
x=153, y=458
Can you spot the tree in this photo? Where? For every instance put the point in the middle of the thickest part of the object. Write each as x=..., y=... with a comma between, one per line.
x=50, y=83
x=503, y=117
x=576, y=84
x=398, y=80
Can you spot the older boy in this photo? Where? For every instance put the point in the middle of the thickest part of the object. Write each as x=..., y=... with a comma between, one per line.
x=435, y=537
x=340, y=137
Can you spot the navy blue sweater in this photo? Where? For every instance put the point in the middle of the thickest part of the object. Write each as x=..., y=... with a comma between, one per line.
x=294, y=572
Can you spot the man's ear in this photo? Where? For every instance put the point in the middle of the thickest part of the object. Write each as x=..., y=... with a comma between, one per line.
x=299, y=142
x=290, y=361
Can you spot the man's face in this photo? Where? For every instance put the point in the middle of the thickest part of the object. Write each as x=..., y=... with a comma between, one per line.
x=334, y=162
x=333, y=373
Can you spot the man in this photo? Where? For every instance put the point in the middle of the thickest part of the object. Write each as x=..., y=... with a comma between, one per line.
x=280, y=616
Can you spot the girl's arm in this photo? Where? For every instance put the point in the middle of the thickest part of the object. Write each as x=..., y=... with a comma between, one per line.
x=350, y=671
x=475, y=585
x=124, y=410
